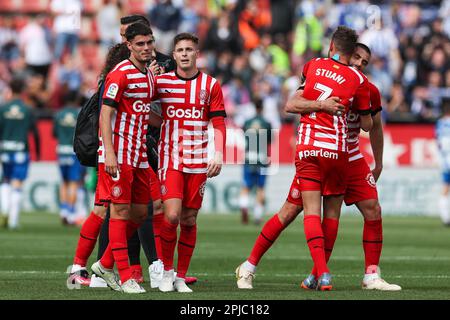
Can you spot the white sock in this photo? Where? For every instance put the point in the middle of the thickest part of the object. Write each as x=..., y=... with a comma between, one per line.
x=5, y=193
x=444, y=210
x=248, y=266
x=80, y=206
x=243, y=201
x=63, y=213
x=71, y=217
x=259, y=211
x=14, y=211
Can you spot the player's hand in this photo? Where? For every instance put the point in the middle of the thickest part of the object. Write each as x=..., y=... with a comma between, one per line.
x=214, y=165
x=333, y=106
x=377, y=172
x=111, y=165
x=155, y=68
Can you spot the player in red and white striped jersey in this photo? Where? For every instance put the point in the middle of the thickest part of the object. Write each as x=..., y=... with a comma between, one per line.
x=366, y=201
x=321, y=157
x=124, y=178
x=190, y=99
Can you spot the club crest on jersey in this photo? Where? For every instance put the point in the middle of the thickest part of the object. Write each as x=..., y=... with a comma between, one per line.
x=203, y=96
x=201, y=190
x=163, y=189
x=116, y=191
x=295, y=193
x=112, y=91
x=371, y=180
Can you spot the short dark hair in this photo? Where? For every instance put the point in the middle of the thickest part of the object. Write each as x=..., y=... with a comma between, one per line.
x=185, y=36
x=135, y=18
x=137, y=29
x=17, y=85
x=344, y=39
x=364, y=47
x=258, y=104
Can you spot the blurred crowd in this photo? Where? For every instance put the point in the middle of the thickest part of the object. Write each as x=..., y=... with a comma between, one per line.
x=253, y=47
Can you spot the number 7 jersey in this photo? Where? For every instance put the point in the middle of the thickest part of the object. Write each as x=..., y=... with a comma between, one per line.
x=323, y=78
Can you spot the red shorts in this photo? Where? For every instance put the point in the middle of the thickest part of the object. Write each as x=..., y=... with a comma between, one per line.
x=361, y=183
x=295, y=195
x=321, y=170
x=155, y=186
x=190, y=187
x=131, y=186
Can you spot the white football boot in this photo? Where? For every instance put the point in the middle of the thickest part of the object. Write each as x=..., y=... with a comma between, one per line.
x=131, y=286
x=108, y=275
x=373, y=281
x=244, y=278
x=180, y=286
x=97, y=282
x=166, y=284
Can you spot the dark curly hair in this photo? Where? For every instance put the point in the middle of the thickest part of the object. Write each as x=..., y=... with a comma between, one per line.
x=116, y=54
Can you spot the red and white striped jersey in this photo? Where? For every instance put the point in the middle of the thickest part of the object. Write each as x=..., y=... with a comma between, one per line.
x=323, y=78
x=354, y=123
x=130, y=91
x=187, y=105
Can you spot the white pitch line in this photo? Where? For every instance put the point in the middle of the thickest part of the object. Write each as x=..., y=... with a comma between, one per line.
x=278, y=275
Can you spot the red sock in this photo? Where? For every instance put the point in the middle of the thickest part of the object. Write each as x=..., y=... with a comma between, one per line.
x=88, y=237
x=157, y=225
x=266, y=238
x=186, y=246
x=330, y=231
x=372, y=241
x=168, y=243
x=315, y=240
x=117, y=251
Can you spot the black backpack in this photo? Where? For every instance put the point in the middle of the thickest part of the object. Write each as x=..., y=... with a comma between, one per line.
x=85, y=141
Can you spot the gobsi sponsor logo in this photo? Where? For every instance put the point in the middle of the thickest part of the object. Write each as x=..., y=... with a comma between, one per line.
x=193, y=113
x=139, y=106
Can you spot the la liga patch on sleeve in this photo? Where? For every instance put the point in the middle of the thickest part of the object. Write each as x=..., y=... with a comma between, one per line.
x=112, y=90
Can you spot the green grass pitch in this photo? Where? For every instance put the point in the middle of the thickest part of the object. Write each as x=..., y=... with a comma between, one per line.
x=416, y=255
